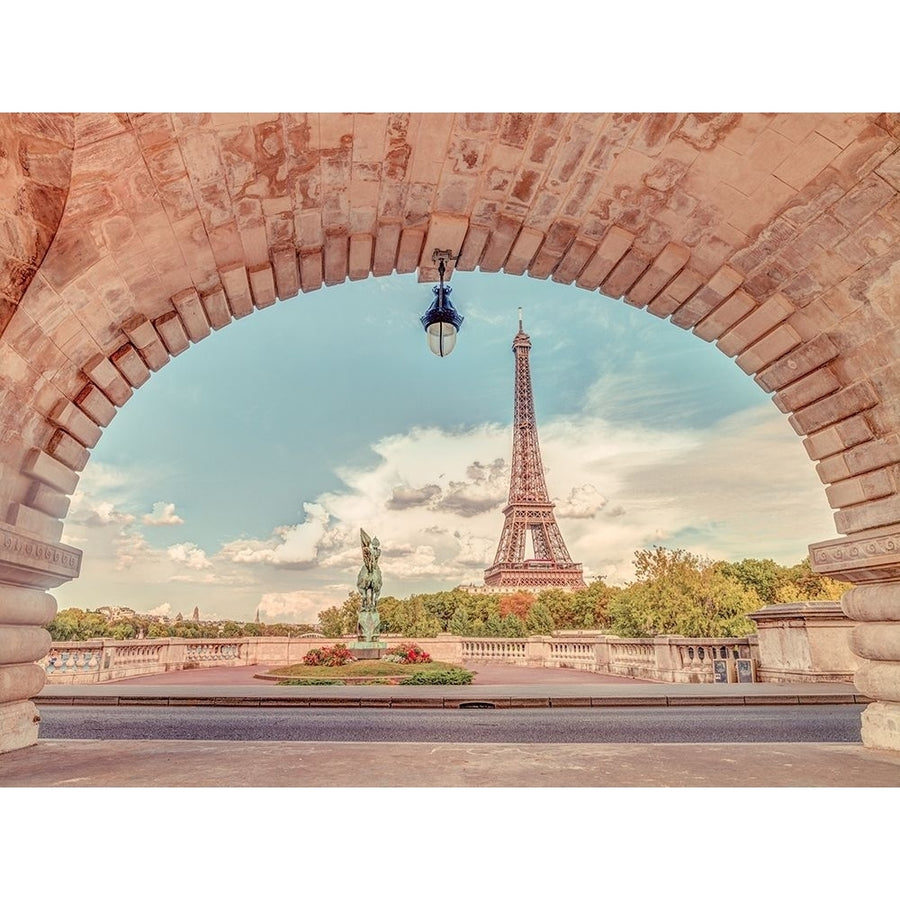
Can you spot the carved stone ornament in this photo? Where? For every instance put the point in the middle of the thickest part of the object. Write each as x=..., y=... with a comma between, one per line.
x=865, y=558
x=27, y=561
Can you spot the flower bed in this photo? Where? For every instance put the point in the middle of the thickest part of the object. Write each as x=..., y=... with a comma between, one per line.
x=338, y=655
x=406, y=654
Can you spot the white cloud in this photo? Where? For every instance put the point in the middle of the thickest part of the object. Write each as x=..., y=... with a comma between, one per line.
x=189, y=555
x=293, y=546
x=298, y=606
x=131, y=547
x=163, y=514
x=583, y=502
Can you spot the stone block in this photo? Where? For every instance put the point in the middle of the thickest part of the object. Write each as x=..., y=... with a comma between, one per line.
x=557, y=242
x=47, y=500
x=23, y=643
x=336, y=254
x=807, y=160
x=724, y=316
x=750, y=329
x=33, y=521
x=836, y=438
x=574, y=260
x=863, y=200
x=387, y=240
x=287, y=273
x=67, y=450
x=523, y=251
x=49, y=471
x=409, y=250
x=813, y=354
x=311, y=271
x=678, y=291
x=359, y=264
x=190, y=309
x=500, y=241
x=92, y=401
x=806, y=390
x=626, y=273
x=130, y=363
x=842, y=405
x=262, y=286
x=18, y=725
x=833, y=469
x=108, y=378
x=237, y=290
x=473, y=248
x=445, y=232
x=721, y=286
x=614, y=245
x=876, y=640
x=773, y=346
x=876, y=603
x=172, y=332
x=25, y=606
x=880, y=679
x=859, y=489
x=68, y=416
x=881, y=726
x=873, y=454
x=216, y=305
x=872, y=514
x=146, y=340
x=661, y=271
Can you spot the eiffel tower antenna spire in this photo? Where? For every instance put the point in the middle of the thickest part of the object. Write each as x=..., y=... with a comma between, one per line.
x=529, y=512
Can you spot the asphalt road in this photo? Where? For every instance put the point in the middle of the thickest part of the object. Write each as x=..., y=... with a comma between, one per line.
x=796, y=724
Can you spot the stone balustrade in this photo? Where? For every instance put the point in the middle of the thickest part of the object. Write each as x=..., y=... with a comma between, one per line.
x=82, y=662
x=671, y=659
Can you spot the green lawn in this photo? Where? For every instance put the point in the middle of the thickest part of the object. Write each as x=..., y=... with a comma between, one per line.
x=374, y=672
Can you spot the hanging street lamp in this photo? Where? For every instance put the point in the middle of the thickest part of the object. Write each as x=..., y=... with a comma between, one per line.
x=442, y=321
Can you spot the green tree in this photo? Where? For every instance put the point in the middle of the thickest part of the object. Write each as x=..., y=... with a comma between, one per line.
x=801, y=584
x=512, y=626
x=676, y=592
x=539, y=620
x=764, y=576
x=442, y=606
x=459, y=623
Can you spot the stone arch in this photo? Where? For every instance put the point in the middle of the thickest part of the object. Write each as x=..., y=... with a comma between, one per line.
x=775, y=236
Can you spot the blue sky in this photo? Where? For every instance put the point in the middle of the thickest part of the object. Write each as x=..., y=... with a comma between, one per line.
x=238, y=477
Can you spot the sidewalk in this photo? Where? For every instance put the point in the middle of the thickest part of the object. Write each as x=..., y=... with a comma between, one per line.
x=54, y=763
x=499, y=685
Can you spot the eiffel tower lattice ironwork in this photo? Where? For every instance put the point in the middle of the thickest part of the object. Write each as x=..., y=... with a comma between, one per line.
x=529, y=510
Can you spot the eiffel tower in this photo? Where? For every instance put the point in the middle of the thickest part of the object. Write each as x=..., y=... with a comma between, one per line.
x=529, y=510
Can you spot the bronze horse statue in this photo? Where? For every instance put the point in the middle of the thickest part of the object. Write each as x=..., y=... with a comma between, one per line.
x=368, y=583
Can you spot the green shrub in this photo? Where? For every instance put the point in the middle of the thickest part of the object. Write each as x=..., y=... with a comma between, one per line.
x=448, y=676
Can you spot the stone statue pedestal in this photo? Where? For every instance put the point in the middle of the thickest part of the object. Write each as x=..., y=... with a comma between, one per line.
x=367, y=649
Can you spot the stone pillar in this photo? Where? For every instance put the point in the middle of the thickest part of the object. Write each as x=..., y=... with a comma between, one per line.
x=870, y=561
x=28, y=567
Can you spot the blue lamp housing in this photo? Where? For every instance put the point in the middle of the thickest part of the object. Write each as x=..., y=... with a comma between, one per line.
x=441, y=322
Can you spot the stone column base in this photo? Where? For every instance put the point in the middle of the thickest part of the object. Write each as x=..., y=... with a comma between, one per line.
x=881, y=726
x=18, y=725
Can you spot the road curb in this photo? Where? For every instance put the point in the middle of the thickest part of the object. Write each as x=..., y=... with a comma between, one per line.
x=496, y=702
